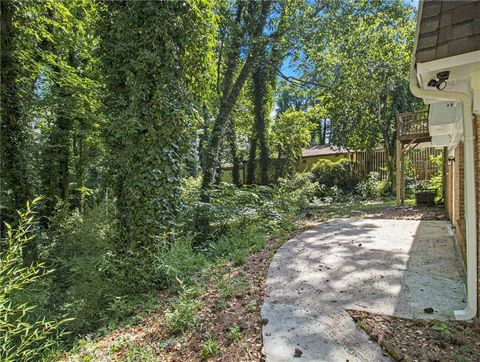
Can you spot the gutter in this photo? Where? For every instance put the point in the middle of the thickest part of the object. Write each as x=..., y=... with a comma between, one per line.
x=469, y=188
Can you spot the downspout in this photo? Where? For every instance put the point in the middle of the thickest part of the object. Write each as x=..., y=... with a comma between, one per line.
x=469, y=188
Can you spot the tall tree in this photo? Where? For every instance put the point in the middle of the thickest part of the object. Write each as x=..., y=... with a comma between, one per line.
x=15, y=183
x=363, y=72
x=263, y=78
x=67, y=99
x=154, y=75
x=253, y=26
x=291, y=132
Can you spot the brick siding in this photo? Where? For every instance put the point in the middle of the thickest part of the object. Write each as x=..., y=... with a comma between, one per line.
x=477, y=188
x=454, y=199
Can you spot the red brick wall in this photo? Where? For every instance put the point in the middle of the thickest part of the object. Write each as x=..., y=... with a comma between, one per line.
x=477, y=188
x=448, y=192
x=455, y=200
x=458, y=208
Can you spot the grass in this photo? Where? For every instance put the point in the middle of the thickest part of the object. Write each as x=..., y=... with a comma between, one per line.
x=441, y=327
x=210, y=348
x=139, y=354
x=231, y=286
x=234, y=333
x=251, y=306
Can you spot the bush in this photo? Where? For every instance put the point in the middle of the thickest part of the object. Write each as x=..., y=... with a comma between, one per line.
x=295, y=192
x=81, y=249
x=24, y=337
x=238, y=243
x=178, y=261
x=436, y=181
x=182, y=315
x=340, y=174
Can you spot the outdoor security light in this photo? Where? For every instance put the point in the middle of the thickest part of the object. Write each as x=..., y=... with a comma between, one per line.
x=441, y=82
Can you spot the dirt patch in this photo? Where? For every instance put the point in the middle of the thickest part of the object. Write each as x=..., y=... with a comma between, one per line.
x=409, y=213
x=421, y=340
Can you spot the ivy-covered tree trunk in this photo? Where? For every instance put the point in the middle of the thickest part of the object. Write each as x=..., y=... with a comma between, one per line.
x=252, y=155
x=153, y=55
x=262, y=103
x=15, y=185
x=232, y=139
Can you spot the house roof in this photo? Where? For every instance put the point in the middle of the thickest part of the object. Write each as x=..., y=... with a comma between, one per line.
x=323, y=151
x=447, y=28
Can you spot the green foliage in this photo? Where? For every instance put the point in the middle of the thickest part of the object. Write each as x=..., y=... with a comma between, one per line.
x=155, y=78
x=24, y=336
x=182, y=315
x=97, y=100
x=291, y=132
x=231, y=286
x=441, y=327
x=436, y=181
x=178, y=261
x=210, y=348
x=340, y=173
x=139, y=354
x=234, y=333
x=295, y=192
x=238, y=243
x=372, y=187
x=80, y=248
x=356, y=59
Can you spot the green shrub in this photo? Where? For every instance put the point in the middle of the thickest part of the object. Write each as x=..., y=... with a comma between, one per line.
x=210, y=348
x=178, y=261
x=238, y=243
x=24, y=337
x=234, y=333
x=340, y=173
x=436, y=181
x=182, y=315
x=372, y=187
x=81, y=249
x=295, y=192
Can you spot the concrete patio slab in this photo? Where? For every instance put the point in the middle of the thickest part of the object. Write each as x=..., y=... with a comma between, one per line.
x=392, y=267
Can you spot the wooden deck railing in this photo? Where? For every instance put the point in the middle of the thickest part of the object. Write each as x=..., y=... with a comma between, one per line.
x=412, y=125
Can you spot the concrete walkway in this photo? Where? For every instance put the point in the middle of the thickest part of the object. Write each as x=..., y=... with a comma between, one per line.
x=392, y=267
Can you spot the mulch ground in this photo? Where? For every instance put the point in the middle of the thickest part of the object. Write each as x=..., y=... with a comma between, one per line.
x=421, y=340
x=218, y=314
x=409, y=213
x=413, y=340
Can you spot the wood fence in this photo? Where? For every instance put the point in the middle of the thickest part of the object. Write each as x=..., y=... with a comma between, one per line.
x=376, y=161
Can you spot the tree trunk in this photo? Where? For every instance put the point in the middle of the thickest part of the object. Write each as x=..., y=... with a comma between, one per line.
x=228, y=102
x=260, y=102
x=252, y=155
x=234, y=152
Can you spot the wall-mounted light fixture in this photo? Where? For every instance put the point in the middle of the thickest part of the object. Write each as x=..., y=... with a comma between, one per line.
x=450, y=161
x=441, y=81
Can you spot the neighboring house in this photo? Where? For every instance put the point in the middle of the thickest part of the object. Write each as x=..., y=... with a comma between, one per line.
x=446, y=74
x=310, y=155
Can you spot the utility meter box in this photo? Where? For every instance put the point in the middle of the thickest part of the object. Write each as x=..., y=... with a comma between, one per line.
x=444, y=117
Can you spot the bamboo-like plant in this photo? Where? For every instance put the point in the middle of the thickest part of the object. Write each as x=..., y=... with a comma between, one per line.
x=22, y=337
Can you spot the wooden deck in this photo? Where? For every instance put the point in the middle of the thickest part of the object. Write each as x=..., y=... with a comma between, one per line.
x=412, y=127
x=412, y=130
